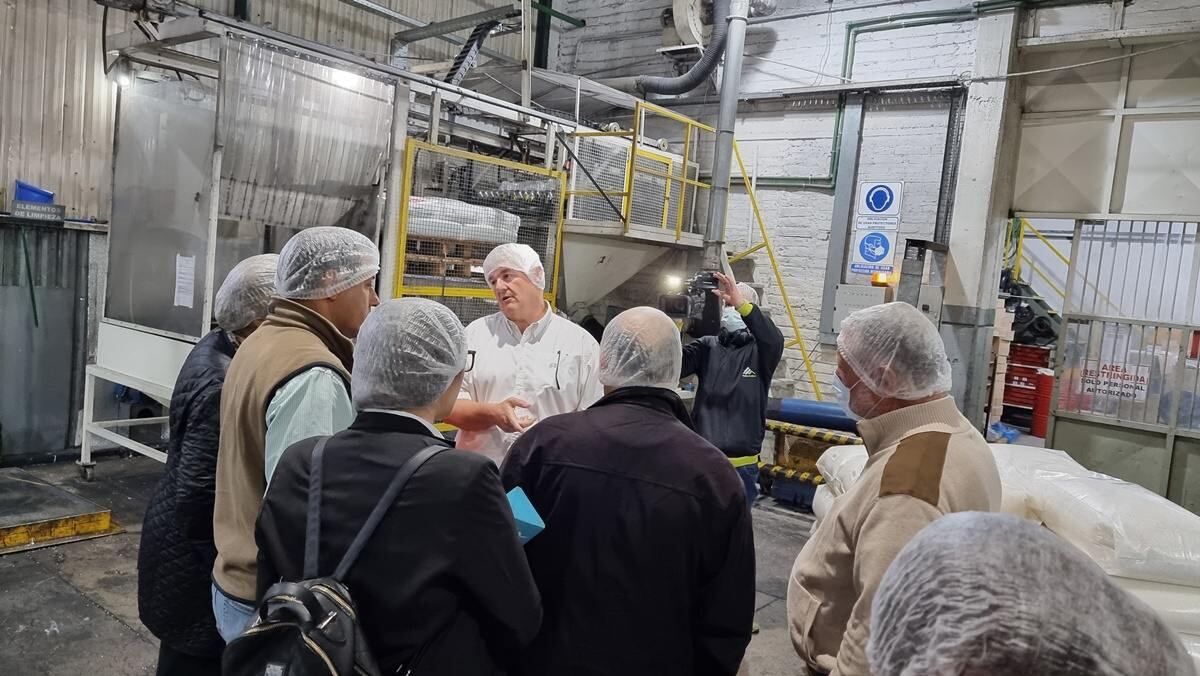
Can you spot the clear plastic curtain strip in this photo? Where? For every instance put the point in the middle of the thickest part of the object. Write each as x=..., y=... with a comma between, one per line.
x=304, y=141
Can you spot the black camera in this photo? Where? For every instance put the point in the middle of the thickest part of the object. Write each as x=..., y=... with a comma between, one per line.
x=699, y=307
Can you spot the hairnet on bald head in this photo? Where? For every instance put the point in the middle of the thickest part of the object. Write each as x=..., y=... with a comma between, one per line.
x=748, y=293
x=246, y=292
x=896, y=351
x=977, y=593
x=641, y=348
x=324, y=261
x=519, y=257
x=408, y=352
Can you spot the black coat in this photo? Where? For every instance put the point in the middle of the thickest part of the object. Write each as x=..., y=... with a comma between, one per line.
x=646, y=566
x=444, y=565
x=734, y=372
x=176, y=556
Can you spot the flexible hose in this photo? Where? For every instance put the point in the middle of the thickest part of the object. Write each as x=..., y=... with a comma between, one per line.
x=699, y=71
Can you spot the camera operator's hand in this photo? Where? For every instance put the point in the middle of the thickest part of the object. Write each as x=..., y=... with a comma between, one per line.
x=727, y=290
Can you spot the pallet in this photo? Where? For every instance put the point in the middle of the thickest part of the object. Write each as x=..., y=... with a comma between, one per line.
x=444, y=257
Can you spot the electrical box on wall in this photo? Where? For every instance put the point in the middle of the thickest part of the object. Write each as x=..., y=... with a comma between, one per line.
x=850, y=298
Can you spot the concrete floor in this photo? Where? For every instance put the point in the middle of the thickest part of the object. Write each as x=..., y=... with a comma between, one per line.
x=72, y=609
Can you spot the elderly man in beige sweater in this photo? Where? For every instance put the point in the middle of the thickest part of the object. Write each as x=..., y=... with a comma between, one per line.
x=925, y=461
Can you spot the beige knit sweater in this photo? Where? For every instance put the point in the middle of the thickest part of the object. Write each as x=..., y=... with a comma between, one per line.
x=924, y=461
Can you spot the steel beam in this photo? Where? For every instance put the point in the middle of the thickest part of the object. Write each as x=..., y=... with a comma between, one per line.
x=441, y=28
x=392, y=15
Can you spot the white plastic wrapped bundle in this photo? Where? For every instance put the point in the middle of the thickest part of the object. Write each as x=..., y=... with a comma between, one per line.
x=840, y=467
x=1126, y=529
x=441, y=218
x=822, y=502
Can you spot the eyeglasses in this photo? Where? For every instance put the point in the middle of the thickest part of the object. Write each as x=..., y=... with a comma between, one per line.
x=470, y=361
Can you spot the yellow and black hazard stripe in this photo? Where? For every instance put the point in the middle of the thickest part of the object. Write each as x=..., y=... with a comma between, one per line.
x=817, y=433
x=781, y=472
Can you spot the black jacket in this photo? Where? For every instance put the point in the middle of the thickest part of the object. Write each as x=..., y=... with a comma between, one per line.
x=734, y=372
x=646, y=566
x=176, y=556
x=445, y=564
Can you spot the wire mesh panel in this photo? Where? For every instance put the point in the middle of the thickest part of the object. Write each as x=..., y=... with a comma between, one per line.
x=598, y=194
x=457, y=207
x=640, y=181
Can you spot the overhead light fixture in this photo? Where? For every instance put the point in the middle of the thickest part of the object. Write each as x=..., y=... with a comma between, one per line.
x=122, y=73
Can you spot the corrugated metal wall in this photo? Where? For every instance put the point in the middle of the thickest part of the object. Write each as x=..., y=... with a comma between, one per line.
x=56, y=106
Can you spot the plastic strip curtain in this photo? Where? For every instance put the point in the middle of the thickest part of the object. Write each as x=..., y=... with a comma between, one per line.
x=304, y=141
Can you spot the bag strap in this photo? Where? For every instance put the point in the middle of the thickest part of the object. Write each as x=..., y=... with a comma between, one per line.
x=312, y=524
x=385, y=503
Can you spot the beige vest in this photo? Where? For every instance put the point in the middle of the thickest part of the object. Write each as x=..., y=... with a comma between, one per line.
x=290, y=341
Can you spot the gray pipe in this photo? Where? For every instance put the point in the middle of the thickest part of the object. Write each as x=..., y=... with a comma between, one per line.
x=698, y=73
x=731, y=80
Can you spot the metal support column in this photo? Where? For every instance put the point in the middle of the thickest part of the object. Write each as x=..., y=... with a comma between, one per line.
x=395, y=178
x=731, y=77
x=843, y=208
x=983, y=197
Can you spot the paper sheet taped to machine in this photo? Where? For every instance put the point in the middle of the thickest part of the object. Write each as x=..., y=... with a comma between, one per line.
x=185, y=280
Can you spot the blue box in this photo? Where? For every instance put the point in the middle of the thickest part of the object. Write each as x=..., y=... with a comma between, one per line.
x=529, y=522
x=27, y=192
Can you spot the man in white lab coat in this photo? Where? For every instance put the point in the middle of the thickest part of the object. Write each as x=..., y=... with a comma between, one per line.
x=529, y=364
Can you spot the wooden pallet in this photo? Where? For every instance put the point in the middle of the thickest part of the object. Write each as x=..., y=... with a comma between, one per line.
x=444, y=257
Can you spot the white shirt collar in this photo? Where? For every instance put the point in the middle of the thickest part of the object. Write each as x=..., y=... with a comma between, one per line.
x=536, y=329
x=404, y=414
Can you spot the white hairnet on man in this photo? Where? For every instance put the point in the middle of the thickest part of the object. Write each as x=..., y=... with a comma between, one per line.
x=990, y=594
x=926, y=460
x=640, y=348
x=246, y=293
x=519, y=257
x=539, y=363
x=408, y=353
x=322, y=262
x=896, y=351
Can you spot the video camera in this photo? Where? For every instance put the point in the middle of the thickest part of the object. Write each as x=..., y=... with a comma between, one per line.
x=699, y=307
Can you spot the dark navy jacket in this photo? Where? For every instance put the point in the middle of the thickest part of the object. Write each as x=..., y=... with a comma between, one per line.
x=734, y=372
x=176, y=556
x=646, y=565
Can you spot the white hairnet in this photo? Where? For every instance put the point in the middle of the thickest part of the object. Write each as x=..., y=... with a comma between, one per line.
x=245, y=293
x=408, y=352
x=519, y=257
x=896, y=351
x=748, y=293
x=324, y=261
x=977, y=593
x=641, y=347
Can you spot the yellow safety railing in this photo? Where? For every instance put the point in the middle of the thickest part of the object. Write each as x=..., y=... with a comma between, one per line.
x=454, y=287
x=1015, y=258
x=676, y=183
x=797, y=337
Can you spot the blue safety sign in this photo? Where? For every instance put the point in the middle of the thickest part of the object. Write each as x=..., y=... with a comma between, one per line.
x=874, y=247
x=879, y=198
